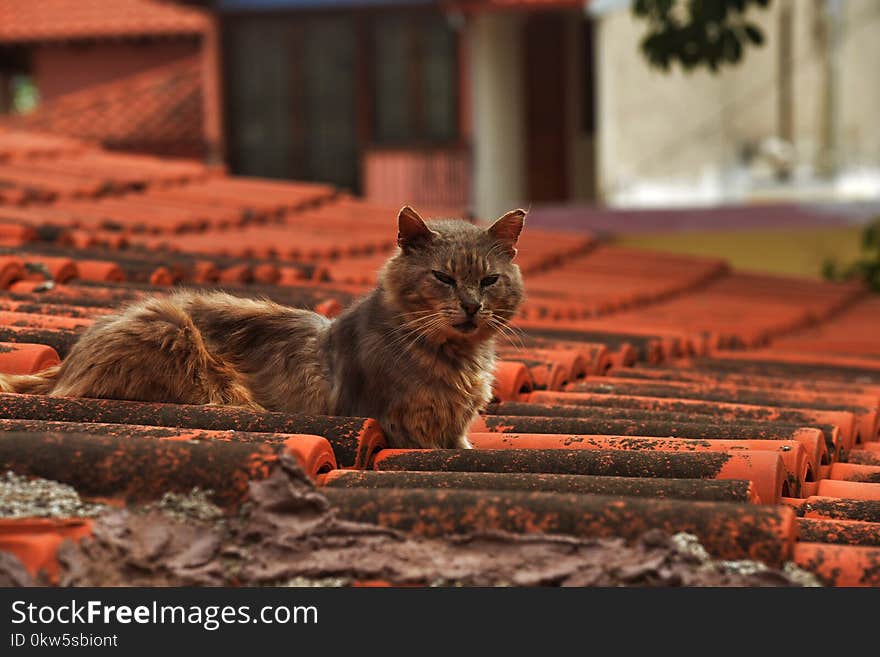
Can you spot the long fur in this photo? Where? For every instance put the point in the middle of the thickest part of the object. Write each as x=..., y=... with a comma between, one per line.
x=32, y=384
x=408, y=353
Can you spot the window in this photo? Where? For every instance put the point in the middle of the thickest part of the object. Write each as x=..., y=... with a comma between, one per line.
x=588, y=82
x=18, y=89
x=415, y=80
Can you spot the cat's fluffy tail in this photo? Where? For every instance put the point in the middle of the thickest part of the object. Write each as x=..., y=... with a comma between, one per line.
x=34, y=384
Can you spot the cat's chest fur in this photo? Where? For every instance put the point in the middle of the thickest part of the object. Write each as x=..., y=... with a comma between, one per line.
x=443, y=393
x=423, y=394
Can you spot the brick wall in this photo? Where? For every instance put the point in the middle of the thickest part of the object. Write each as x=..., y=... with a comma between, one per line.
x=62, y=68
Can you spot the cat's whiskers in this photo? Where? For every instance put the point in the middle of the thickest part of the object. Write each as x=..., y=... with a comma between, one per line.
x=514, y=335
x=424, y=331
x=416, y=325
x=492, y=250
x=506, y=323
x=509, y=333
x=416, y=313
x=496, y=326
x=412, y=323
x=414, y=329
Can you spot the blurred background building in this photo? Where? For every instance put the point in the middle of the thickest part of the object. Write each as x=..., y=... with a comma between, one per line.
x=122, y=72
x=470, y=105
x=794, y=119
x=489, y=104
x=477, y=105
x=185, y=135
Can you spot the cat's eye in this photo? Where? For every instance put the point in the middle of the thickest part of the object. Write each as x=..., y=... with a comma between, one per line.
x=446, y=279
x=489, y=280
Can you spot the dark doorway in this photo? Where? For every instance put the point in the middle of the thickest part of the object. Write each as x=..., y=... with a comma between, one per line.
x=328, y=63
x=545, y=90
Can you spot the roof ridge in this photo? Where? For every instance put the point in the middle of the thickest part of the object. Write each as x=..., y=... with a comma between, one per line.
x=50, y=20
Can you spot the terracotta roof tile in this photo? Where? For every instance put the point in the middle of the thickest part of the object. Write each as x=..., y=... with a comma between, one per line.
x=840, y=565
x=26, y=358
x=714, y=490
x=35, y=541
x=649, y=391
x=844, y=532
x=52, y=20
x=157, y=111
x=34, y=181
x=734, y=530
x=17, y=143
x=865, y=456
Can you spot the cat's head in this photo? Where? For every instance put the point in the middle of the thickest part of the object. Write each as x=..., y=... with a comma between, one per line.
x=451, y=280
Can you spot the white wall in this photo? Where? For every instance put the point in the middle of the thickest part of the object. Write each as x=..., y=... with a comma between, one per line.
x=688, y=131
x=495, y=41
x=860, y=83
x=643, y=115
x=581, y=146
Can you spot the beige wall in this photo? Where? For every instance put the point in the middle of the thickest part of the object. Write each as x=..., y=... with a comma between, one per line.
x=860, y=83
x=581, y=167
x=495, y=46
x=498, y=105
x=686, y=128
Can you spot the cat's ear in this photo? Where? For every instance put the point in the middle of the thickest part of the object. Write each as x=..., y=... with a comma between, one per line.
x=412, y=231
x=506, y=230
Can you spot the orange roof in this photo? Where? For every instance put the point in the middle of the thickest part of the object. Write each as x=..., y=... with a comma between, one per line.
x=642, y=391
x=15, y=143
x=46, y=20
x=157, y=111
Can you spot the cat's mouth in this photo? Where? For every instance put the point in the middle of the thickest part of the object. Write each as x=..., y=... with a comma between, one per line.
x=467, y=326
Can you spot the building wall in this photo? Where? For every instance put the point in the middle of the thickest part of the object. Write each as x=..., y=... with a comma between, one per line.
x=582, y=144
x=695, y=130
x=640, y=112
x=62, y=68
x=495, y=45
x=498, y=103
x=859, y=84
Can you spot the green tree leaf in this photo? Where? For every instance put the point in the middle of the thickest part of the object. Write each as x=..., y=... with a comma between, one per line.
x=754, y=33
x=697, y=33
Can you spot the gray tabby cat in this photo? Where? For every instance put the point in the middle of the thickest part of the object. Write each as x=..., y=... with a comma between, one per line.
x=417, y=353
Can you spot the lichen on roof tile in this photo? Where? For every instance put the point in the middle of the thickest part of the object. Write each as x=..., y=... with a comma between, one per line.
x=646, y=393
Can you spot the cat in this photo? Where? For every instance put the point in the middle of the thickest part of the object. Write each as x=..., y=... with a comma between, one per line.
x=416, y=353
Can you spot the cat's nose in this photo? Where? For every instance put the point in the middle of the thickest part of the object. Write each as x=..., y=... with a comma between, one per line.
x=471, y=307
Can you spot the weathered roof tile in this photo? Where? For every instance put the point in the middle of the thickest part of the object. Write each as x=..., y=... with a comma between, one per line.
x=624, y=385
